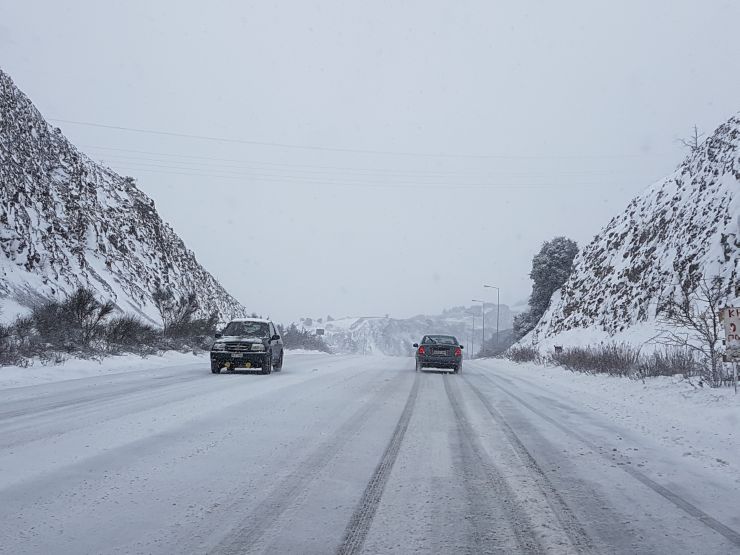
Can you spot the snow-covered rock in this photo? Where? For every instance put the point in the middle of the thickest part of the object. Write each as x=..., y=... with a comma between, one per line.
x=685, y=225
x=67, y=221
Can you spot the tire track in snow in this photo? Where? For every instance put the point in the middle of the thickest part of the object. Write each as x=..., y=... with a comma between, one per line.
x=731, y=535
x=96, y=390
x=493, y=496
x=31, y=409
x=42, y=422
x=362, y=518
x=569, y=523
x=253, y=527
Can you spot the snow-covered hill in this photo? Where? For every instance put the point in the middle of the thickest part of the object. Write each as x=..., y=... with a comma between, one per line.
x=685, y=225
x=66, y=221
x=395, y=336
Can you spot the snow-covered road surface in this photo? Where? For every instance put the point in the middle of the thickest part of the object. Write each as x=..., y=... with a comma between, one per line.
x=341, y=454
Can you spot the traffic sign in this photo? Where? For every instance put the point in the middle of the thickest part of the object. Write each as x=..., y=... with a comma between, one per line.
x=731, y=319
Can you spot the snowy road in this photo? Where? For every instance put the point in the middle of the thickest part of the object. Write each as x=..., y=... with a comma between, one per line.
x=341, y=455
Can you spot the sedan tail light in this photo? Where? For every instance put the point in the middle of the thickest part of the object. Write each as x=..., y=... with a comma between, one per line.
x=421, y=350
x=458, y=352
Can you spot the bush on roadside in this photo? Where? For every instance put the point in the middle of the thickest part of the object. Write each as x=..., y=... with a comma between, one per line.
x=129, y=333
x=73, y=324
x=615, y=360
x=523, y=354
x=669, y=362
x=295, y=338
x=196, y=327
x=8, y=348
x=612, y=359
x=83, y=326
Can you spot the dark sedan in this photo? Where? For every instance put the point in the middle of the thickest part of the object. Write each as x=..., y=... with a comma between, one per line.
x=439, y=351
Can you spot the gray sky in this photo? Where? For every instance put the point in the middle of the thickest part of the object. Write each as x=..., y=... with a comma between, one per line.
x=473, y=131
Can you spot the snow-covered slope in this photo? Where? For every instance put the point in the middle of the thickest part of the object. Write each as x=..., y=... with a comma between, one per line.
x=395, y=336
x=67, y=221
x=685, y=225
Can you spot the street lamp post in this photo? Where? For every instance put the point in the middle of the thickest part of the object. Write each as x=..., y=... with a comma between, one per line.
x=483, y=314
x=498, y=306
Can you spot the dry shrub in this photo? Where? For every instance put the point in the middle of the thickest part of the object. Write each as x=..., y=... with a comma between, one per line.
x=669, y=362
x=613, y=359
x=524, y=354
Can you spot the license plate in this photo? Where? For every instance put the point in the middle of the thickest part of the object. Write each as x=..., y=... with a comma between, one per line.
x=237, y=355
x=439, y=352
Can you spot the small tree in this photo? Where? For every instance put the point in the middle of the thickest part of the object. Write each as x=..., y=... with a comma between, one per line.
x=691, y=321
x=694, y=141
x=72, y=323
x=551, y=267
x=129, y=332
x=87, y=313
x=6, y=344
x=176, y=312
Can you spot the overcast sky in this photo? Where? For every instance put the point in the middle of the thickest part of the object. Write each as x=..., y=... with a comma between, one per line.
x=383, y=157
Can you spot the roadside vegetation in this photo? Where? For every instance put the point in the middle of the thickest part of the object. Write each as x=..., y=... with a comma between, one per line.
x=83, y=326
x=495, y=346
x=551, y=268
x=295, y=338
x=627, y=361
x=689, y=343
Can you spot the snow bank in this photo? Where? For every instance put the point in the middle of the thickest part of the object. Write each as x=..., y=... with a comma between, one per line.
x=304, y=352
x=14, y=376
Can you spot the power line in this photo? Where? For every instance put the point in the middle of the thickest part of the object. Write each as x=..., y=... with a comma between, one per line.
x=332, y=149
x=298, y=170
x=173, y=170
x=339, y=173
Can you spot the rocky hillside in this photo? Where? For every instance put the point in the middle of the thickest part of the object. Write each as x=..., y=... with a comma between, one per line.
x=66, y=221
x=683, y=227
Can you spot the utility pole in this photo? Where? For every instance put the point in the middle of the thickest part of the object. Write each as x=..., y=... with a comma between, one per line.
x=498, y=306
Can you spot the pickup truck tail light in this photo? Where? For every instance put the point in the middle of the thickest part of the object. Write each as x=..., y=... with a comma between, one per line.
x=421, y=350
x=458, y=352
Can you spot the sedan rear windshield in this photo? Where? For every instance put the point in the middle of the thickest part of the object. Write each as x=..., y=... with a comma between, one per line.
x=252, y=329
x=440, y=340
